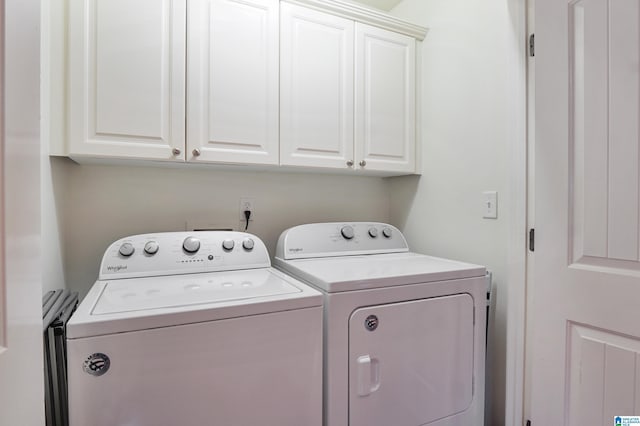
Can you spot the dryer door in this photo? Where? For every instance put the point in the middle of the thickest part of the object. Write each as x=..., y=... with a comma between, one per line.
x=411, y=363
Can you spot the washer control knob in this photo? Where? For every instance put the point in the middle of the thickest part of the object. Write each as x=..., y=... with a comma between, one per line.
x=151, y=247
x=228, y=245
x=248, y=244
x=387, y=232
x=126, y=249
x=191, y=244
x=347, y=232
x=373, y=232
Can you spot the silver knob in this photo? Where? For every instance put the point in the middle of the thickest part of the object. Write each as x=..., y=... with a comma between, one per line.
x=362, y=163
x=387, y=232
x=126, y=249
x=176, y=151
x=373, y=232
x=196, y=152
x=248, y=244
x=191, y=244
x=228, y=245
x=350, y=163
x=347, y=232
x=151, y=247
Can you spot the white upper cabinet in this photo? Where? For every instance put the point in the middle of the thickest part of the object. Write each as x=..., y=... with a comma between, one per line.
x=323, y=84
x=232, y=94
x=385, y=100
x=316, y=87
x=347, y=92
x=126, y=79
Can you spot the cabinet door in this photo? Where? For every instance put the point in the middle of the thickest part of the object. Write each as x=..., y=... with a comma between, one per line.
x=232, y=81
x=385, y=100
x=316, y=83
x=127, y=78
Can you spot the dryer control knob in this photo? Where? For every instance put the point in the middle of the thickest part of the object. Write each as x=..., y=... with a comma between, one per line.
x=347, y=232
x=151, y=247
x=248, y=244
x=191, y=244
x=373, y=232
x=228, y=245
x=387, y=232
x=126, y=249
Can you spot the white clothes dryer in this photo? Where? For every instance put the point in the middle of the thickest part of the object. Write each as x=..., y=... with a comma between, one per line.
x=195, y=329
x=404, y=333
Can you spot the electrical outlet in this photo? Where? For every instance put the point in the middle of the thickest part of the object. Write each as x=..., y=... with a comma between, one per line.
x=247, y=204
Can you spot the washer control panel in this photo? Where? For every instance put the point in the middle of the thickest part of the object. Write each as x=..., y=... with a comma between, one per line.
x=339, y=239
x=170, y=253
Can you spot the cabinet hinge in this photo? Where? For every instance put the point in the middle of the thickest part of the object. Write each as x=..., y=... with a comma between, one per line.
x=532, y=239
x=532, y=45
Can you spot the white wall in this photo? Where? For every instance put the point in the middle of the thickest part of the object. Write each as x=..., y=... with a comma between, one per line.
x=53, y=276
x=466, y=100
x=99, y=204
x=51, y=107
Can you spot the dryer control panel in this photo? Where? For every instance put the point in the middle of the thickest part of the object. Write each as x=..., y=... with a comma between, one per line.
x=340, y=239
x=169, y=253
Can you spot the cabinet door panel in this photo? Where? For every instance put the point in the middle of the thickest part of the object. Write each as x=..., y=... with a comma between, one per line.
x=126, y=78
x=385, y=99
x=233, y=81
x=316, y=88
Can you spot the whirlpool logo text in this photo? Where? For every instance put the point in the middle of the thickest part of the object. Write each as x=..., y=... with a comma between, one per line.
x=116, y=268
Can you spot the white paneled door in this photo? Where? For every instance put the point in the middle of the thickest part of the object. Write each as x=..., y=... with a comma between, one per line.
x=21, y=364
x=585, y=296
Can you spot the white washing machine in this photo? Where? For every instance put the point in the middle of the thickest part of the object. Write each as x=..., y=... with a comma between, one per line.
x=195, y=329
x=404, y=333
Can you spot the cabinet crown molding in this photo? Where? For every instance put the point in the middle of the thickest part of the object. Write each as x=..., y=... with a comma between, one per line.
x=366, y=15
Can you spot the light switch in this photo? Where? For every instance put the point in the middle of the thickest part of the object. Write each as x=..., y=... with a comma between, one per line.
x=490, y=205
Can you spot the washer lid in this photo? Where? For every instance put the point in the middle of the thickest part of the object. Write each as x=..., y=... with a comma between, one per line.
x=121, y=305
x=347, y=273
x=139, y=294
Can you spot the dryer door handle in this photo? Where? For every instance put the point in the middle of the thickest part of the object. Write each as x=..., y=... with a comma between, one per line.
x=368, y=375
